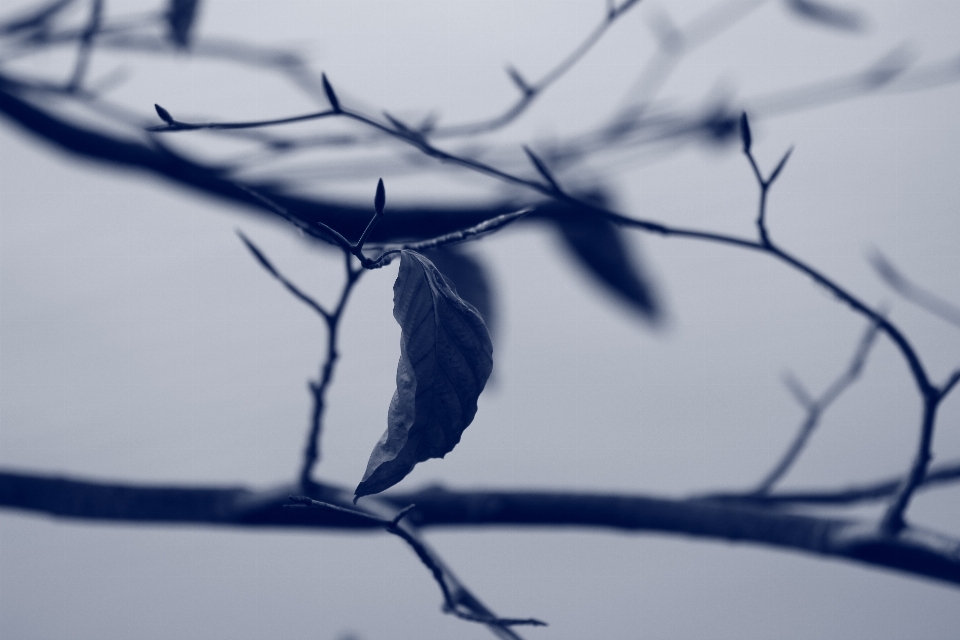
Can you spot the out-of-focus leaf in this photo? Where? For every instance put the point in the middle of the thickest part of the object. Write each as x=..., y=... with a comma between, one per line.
x=471, y=280
x=602, y=250
x=827, y=15
x=445, y=360
x=181, y=16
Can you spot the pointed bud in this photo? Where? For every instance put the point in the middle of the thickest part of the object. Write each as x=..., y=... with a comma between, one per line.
x=331, y=96
x=380, y=199
x=745, y=132
x=164, y=114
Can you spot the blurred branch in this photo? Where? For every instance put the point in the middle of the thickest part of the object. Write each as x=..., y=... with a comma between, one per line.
x=529, y=92
x=914, y=551
x=943, y=474
x=816, y=408
x=86, y=46
x=913, y=292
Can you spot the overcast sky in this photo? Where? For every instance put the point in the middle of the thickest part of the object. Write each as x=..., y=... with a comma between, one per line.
x=140, y=342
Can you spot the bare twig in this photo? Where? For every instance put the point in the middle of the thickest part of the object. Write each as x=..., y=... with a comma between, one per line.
x=471, y=233
x=452, y=602
x=332, y=319
x=86, y=46
x=312, y=450
x=529, y=92
x=914, y=292
x=947, y=473
x=816, y=408
x=292, y=288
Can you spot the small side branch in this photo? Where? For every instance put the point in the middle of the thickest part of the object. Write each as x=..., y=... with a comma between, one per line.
x=454, y=601
x=85, y=48
x=914, y=292
x=944, y=474
x=311, y=452
x=815, y=408
x=318, y=389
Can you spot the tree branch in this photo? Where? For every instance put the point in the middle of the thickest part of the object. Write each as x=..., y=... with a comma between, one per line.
x=816, y=408
x=913, y=551
x=453, y=602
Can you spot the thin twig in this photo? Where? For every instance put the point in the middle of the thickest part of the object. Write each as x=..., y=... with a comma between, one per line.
x=529, y=92
x=85, y=48
x=292, y=288
x=311, y=452
x=470, y=233
x=892, y=522
x=816, y=408
x=452, y=604
x=913, y=292
x=947, y=473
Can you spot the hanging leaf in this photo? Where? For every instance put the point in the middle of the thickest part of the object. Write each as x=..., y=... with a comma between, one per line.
x=181, y=16
x=445, y=360
x=470, y=279
x=599, y=246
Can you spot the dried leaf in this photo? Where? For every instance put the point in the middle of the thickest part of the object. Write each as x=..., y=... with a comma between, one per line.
x=445, y=360
x=181, y=16
x=470, y=279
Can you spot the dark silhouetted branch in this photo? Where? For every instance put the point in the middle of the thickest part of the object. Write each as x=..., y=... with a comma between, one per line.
x=914, y=551
x=453, y=599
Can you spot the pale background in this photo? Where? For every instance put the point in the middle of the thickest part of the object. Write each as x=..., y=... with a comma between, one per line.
x=140, y=342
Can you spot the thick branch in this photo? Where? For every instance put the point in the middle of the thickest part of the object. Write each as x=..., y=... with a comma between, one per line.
x=914, y=551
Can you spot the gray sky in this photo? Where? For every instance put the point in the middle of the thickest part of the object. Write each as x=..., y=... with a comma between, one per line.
x=140, y=342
